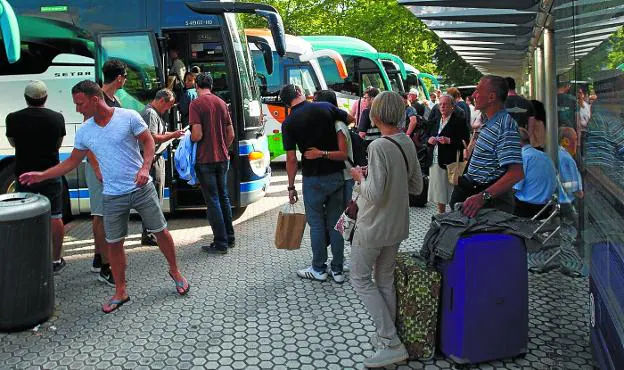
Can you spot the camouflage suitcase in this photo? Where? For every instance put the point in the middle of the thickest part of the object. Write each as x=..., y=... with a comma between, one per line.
x=418, y=298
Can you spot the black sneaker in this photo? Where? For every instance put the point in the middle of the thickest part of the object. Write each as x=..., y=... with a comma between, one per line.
x=232, y=244
x=212, y=249
x=57, y=267
x=106, y=276
x=96, y=266
x=149, y=239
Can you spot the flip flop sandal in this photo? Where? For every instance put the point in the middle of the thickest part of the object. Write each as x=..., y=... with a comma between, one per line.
x=116, y=302
x=180, y=285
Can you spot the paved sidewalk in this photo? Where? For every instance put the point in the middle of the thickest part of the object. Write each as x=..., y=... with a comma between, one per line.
x=247, y=309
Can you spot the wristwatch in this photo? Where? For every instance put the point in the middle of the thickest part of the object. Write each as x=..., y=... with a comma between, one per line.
x=325, y=154
x=486, y=196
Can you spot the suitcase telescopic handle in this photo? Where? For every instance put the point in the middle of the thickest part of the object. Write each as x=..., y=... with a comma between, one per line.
x=451, y=300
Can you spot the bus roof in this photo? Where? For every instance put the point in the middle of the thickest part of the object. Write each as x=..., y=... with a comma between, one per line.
x=345, y=42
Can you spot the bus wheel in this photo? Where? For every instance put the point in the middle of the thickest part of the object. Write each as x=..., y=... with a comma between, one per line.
x=7, y=179
x=237, y=212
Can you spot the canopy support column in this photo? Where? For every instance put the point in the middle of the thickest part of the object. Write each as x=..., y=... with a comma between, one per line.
x=550, y=98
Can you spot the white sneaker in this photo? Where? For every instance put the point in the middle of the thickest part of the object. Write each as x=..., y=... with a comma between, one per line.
x=338, y=277
x=386, y=356
x=345, y=266
x=309, y=273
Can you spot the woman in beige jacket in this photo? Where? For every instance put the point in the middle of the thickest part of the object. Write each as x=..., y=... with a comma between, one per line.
x=383, y=222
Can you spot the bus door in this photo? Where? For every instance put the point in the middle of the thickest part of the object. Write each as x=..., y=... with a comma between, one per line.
x=139, y=51
x=205, y=48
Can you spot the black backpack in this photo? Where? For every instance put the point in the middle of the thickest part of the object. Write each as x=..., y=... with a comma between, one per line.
x=359, y=148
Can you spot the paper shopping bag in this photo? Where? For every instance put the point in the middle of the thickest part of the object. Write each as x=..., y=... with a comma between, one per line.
x=290, y=226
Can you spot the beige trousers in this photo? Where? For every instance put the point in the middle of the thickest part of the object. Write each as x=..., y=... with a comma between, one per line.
x=379, y=296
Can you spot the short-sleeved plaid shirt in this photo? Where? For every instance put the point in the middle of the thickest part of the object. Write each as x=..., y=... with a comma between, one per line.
x=497, y=147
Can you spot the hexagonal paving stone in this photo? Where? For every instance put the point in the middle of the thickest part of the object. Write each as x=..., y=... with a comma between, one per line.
x=247, y=309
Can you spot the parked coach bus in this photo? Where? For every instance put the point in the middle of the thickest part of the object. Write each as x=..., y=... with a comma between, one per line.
x=300, y=66
x=64, y=44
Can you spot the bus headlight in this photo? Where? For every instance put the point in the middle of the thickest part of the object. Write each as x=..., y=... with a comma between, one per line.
x=257, y=163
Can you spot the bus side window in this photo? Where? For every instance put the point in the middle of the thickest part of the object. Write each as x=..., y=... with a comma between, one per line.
x=137, y=51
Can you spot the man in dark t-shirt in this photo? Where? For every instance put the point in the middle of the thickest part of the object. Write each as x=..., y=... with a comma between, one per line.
x=36, y=134
x=211, y=129
x=312, y=126
x=520, y=109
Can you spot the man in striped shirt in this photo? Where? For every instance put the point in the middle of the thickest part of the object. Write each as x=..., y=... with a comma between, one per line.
x=496, y=161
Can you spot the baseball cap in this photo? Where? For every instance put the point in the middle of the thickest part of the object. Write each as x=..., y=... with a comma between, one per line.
x=413, y=91
x=36, y=90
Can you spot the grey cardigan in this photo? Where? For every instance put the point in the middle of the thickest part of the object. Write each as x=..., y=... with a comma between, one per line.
x=383, y=216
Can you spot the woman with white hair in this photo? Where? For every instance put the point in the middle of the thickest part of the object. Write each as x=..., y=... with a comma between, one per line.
x=383, y=222
x=447, y=138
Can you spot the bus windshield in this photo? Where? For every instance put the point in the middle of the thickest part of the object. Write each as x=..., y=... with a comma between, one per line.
x=285, y=70
x=362, y=74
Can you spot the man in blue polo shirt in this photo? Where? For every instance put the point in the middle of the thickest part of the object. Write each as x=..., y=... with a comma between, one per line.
x=539, y=183
x=496, y=161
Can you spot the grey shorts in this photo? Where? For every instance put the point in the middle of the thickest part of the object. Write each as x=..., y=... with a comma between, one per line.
x=117, y=212
x=95, y=191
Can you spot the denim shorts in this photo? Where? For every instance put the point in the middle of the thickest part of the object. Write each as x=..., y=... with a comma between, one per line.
x=95, y=192
x=117, y=212
x=52, y=189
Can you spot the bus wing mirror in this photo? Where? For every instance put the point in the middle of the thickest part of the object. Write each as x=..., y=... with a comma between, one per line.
x=333, y=54
x=265, y=48
x=277, y=30
x=10, y=31
x=270, y=13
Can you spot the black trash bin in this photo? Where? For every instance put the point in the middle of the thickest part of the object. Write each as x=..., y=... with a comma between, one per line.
x=26, y=280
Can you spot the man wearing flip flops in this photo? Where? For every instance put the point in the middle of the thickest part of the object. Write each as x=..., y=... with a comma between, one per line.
x=113, y=135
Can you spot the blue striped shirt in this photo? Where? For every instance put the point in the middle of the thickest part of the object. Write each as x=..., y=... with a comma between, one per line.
x=570, y=177
x=540, y=177
x=498, y=146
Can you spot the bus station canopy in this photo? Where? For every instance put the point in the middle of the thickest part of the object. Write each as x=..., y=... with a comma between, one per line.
x=498, y=37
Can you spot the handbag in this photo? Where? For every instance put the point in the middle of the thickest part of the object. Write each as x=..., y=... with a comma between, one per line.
x=346, y=222
x=455, y=170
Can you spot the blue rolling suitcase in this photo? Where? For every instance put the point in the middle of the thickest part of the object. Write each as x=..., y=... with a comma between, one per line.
x=606, y=300
x=485, y=303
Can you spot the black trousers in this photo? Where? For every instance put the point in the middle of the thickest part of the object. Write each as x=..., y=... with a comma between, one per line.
x=503, y=202
x=529, y=210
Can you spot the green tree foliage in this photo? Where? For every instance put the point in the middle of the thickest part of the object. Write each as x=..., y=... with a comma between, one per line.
x=386, y=25
x=616, y=54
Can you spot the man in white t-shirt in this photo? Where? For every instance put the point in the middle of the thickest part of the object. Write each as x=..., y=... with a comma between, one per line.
x=113, y=135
